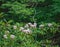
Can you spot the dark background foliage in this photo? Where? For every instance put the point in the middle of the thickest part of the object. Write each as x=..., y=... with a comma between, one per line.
x=25, y=10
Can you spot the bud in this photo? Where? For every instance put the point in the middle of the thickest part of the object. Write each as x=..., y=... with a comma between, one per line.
x=29, y=23
x=27, y=31
x=12, y=36
x=26, y=26
x=41, y=26
x=21, y=28
x=14, y=27
x=49, y=24
x=5, y=36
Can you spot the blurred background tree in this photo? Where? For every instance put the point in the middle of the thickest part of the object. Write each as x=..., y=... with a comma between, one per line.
x=26, y=10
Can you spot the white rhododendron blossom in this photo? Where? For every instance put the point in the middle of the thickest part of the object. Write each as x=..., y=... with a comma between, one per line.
x=41, y=26
x=12, y=36
x=26, y=26
x=21, y=28
x=26, y=31
x=49, y=24
x=33, y=25
x=14, y=27
x=5, y=36
x=29, y=23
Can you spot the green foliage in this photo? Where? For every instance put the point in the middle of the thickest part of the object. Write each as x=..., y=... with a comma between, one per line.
x=38, y=38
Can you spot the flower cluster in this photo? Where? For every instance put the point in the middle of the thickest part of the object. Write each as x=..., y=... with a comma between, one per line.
x=27, y=28
x=14, y=27
x=32, y=25
x=6, y=35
